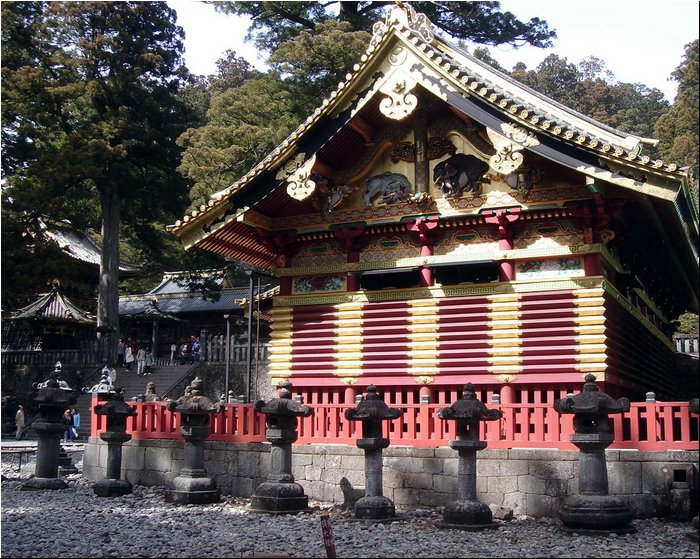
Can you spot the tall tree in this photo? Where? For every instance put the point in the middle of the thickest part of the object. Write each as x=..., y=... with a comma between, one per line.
x=678, y=128
x=90, y=112
x=273, y=23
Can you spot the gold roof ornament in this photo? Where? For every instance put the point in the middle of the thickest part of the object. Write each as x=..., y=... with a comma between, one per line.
x=403, y=15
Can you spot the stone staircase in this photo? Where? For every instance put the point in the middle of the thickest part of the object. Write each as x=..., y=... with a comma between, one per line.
x=163, y=376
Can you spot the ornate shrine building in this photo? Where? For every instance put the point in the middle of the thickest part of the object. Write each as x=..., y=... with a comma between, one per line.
x=435, y=222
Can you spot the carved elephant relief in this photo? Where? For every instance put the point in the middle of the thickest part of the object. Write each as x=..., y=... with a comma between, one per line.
x=459, y=173
x=393, y=188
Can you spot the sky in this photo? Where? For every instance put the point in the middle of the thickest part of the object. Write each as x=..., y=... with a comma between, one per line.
x=640, y=41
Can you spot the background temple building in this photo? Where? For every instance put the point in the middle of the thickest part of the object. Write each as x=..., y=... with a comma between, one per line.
x=435, y=222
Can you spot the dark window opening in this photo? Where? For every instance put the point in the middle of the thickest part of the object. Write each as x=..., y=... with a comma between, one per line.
x=389, y=279
x=454, y=274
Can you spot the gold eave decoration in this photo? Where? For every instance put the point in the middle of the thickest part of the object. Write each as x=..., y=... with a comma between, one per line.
x=298, y=175
x=508, y=144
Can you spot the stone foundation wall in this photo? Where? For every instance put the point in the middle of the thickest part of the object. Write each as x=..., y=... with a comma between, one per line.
x=529, y=481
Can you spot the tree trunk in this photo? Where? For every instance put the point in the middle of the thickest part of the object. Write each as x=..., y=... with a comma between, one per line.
x=108, y=294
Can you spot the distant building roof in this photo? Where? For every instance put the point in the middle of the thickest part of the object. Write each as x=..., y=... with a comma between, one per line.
x=173, y=297
x=53, y=306
x=76, y=244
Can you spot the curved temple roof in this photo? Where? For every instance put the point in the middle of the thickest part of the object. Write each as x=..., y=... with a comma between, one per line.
x=607, y=156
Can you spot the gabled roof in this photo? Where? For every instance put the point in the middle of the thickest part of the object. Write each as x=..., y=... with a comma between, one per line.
x=76, y=244
x=403, y=54
x=171, y=298
x=54, y=306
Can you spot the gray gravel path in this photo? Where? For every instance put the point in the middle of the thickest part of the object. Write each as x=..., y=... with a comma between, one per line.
x=76, y=523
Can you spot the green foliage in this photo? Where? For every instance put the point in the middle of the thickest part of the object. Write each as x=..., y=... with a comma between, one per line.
x=591, y=89
x=314, y=62
x=90, y=107
x=678, y=128
x=274, y=23
x=687, y=323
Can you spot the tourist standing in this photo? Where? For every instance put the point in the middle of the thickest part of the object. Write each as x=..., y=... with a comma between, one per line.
x=128, y=358
x=196, y=346
x=183, y=353
x=173, y=349
x=121, y=349
x=76, y=422
x=20, y=422
x=67, y=421
x=140, y=360
x=148, y=362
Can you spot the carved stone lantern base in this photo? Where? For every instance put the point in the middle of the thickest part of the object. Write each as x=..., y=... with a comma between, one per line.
x=279, y=498
x=375, y=507
x=65, y=464
x=193, y=490
x=464, y=514
x=596, y=515
x=112, y=488
x=39, y=483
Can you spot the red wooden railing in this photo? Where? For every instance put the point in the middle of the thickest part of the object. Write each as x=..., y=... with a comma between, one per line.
x=647, y=426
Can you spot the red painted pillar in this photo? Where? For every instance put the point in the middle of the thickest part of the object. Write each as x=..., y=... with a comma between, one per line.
x=591, y=265
x=507, y=394
x=503, y=220
x=426, y=229
x=351, y=239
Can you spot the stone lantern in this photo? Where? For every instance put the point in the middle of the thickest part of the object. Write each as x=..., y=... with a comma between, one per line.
x=53, y=398
x=372, y=410
x=193, y=486
x=466, y=513
x=593, y=511
x=280, y=494
x=116, y=412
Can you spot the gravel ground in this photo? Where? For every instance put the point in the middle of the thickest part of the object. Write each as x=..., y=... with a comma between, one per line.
x=76, y=523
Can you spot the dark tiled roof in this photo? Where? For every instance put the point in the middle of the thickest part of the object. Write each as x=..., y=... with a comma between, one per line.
x=53, y=306
x=183, y=302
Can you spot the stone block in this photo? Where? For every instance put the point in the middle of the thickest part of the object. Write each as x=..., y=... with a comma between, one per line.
x=489, y=498
x=319, y=460
x=556, y=487
x=409, y=452
x=514, y=467
x=450, y=466
x=551, y=469
x=418, y=481
x=158, y=459
x=405, y=497
x=488, y=468
x=541, y=505
x=624, y=478
x=502, y=484
x=446, y=485
x=302, y=459
x=353, y=462
x=312, y=473
x=133, y=458
x=415, y=466
x=249, y=464
x=654, y=478
x=392, y=478
x=154, y=477
x=531, y=484
x=427, y=498
x=333, y=476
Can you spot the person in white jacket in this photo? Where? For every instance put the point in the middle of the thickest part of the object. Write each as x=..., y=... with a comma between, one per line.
x=128, y=358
